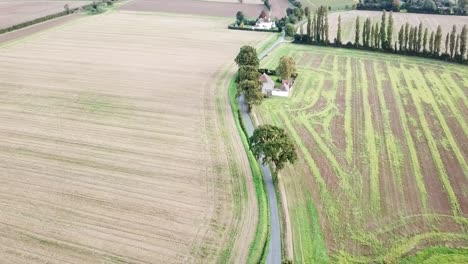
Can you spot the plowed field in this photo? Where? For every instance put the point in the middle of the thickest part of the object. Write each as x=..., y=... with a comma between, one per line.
x=382, y=143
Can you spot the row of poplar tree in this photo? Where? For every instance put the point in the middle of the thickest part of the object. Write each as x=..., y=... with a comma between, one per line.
x=412, y=40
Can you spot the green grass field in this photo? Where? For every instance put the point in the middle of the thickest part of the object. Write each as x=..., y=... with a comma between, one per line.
x=382, y=170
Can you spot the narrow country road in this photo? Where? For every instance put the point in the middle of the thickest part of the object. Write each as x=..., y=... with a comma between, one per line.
x=274, y=250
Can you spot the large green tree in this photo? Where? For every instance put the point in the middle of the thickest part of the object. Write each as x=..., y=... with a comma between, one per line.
x=272, y=144
x=249, y=73
x=247, y=56
x=286, y=67
x=289, y=30
x=252, y=92
x=240, y=16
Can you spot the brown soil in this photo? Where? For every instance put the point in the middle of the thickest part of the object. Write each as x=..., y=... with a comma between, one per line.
x=337, y=125
x=411, y=197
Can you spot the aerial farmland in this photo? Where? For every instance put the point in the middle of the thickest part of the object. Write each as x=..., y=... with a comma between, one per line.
x=382, y=145
x=110, y=145
x=143, y=131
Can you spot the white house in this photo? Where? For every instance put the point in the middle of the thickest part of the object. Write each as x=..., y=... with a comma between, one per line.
x=264, y=23
x=268, y=86
x=284, y=90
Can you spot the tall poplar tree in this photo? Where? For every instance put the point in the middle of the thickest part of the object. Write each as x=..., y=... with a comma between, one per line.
x=390, y=29
x=431, y=43
x=338, y=33
x=376, y=36
x=463, y=36
x=420, y=35
x=357, y=32
x=438, y=40
x=383, y=28
x=401, y=37
x=314, y=28
x=364, y=34
x=406, y=35
x=447, y=43
x=453, y=37
x=410, y=39
x=325, y=29
x=424, y=43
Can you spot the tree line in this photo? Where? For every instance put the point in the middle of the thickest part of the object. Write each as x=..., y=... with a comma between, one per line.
x=412, y=40
x=268, y=143
x=458, y=7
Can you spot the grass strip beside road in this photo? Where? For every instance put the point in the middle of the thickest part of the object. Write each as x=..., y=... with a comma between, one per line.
x=258, y=248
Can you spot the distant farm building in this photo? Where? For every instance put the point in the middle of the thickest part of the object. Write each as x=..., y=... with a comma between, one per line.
x=264, y=24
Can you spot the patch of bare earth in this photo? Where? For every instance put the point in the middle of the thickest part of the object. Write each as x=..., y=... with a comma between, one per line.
x=337, y=125
x=110, y=144
x=410, y=199
x=437, y=198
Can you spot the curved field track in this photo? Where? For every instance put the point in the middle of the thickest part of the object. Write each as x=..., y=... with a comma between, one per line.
x=382, y=146
x=115, y=146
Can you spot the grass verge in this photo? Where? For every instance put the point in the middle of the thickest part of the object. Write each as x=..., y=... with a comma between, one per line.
x=258, y=248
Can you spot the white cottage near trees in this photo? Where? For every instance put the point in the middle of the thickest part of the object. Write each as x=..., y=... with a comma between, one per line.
x=268, y=86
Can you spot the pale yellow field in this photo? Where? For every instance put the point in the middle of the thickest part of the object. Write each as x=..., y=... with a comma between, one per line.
x=14, y=12
x=111, y=146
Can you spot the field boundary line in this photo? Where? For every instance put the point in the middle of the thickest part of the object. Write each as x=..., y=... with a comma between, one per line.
x=40, y=33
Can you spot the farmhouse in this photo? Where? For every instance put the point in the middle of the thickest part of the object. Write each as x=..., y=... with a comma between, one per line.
x=268, y=86
x=284, y=89
x=264, y=23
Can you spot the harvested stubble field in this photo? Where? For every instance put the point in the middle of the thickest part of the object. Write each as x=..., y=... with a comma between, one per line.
x=334, y=4
x=15, y=12
x=348, y=23
x=196, y=7
x=382, y=141
x=112, y=145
